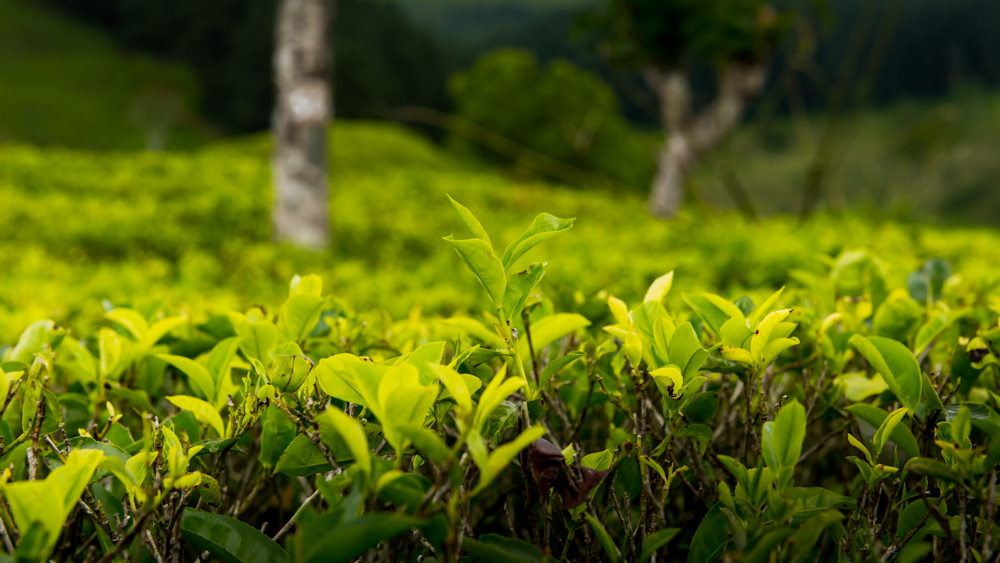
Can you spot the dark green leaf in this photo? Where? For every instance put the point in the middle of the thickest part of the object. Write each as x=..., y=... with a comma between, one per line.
x=901, y=435
x=701, y=407
x=357, y=536
x=809, y=532
x=763, y=547
x=277, y=433
x=504, y=417
x=783, y=437
x=228, y=539
x=492, y=548
x=217, y=445
x=556, y=365
x=656, y=541
x=816, y=500
x=605, y=539
x=931, y=468
x=913, y=513
x=302, y=457
x=977, y=411
x=428, y=444
x=699, y=433
x=710, y=538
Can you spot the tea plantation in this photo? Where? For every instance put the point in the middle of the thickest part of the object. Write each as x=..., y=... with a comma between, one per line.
x=563, y=379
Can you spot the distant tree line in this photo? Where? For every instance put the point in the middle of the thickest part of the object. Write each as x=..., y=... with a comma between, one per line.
x=935, y=46
x=381, y=60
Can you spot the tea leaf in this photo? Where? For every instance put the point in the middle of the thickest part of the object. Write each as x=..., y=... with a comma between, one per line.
x=544, y=227
x=710, y=538
x=471, y=223
x=713, y=310
x=659, y=288
x=228, y=538
x=353, y=435
x=657, y=541
x=605, y=538
x=203, y=411
x=200, y=381
x=479, y=258
x=887, y=427
x=897, y=365
x=900, y=435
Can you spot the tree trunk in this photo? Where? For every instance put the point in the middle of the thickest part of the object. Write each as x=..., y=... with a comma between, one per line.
x=674, y=163
x=674, y=93
x=302, y=112
x=689, y=135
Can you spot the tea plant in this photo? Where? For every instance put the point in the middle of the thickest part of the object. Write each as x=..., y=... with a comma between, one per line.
x=844, y=420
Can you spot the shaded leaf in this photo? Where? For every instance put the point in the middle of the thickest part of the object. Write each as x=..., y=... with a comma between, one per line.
x=656, y=541
x=710, y=538
x=228, y=538
x=605, y=538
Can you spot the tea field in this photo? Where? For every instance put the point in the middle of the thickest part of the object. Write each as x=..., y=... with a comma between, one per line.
x=564, y=379
x=192, y=228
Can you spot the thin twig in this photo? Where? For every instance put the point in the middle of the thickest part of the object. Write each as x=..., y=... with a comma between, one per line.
x=991, y=508
x=151, y=545
x=963, y=524
x=35, y=429
x=310, y=431
x=583, y=412
x=125, y=541
x=526, y=319
x=900, y=544
x=6, y=537
x=291, y=521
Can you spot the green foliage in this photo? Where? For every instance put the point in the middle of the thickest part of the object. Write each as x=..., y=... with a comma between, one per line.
x=697, y=429
x=556, y=110
x=670, y=33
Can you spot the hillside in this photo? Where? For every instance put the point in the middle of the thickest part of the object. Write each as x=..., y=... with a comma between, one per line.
x=68, y=85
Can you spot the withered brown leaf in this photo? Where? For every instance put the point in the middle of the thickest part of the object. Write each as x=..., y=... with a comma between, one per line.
x=549, y=470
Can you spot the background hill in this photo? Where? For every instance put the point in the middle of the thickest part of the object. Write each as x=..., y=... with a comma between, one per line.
x=69, y=84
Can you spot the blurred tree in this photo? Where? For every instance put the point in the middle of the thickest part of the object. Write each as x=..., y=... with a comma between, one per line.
x=302, y=112
x=666, y=38
x=556, y=110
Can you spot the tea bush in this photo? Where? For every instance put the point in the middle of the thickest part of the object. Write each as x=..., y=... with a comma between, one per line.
x=846, y=418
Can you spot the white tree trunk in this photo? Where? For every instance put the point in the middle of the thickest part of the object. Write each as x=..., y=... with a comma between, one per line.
x=302, y=112
x=674, y=93
x=673, y=165
x=688, y=135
